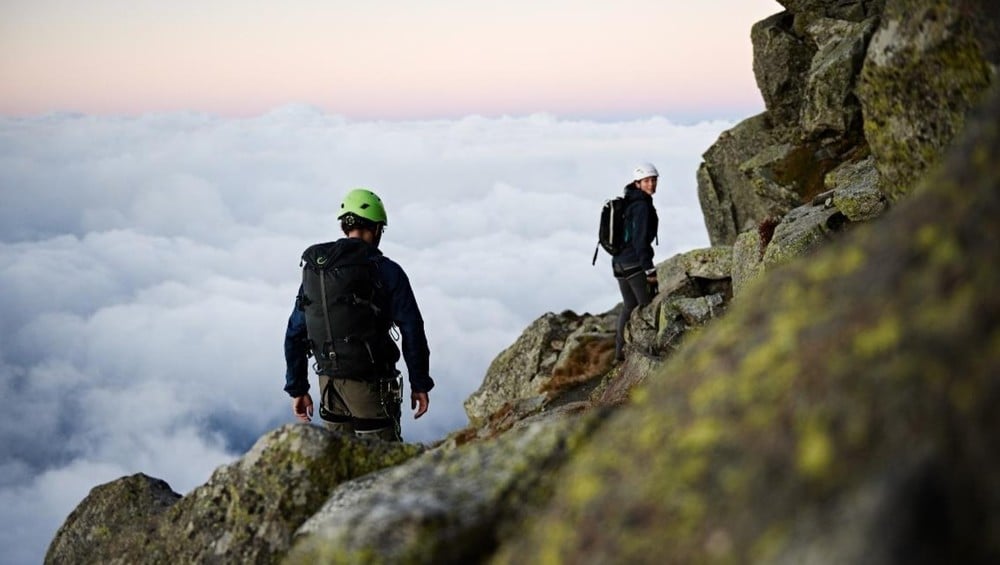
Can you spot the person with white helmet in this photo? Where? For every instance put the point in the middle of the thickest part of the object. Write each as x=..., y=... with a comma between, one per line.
x=633, y=266
x=350, y=299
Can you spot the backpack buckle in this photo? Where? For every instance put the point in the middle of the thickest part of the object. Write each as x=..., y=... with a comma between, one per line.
x=331, y=357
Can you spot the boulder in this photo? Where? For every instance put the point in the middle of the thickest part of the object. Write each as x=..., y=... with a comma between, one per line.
x=685, y=280
x=853, y=196
x=246, y=512
x=447, y=506
x=856, y=191
x=748, y=254
x=780, y=61
x=803, y=230
x=519, y=370
x=114, y=516
x=775, y=173
x=588, y=353
x=806, y=62
x=730, y=200
x=699, y=311
x=697, y=272
x=830, y=108
x=569, y=346
x=745, y=179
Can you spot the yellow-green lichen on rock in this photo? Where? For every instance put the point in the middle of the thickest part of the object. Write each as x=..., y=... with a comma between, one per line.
x=710, y=263
x=111, y=518
x=730, y=200
x=757, y=447
x=929, y=62
x=446, y=506
x=801, y=231
x=856, y=191
x=747, y=254
x=248, y=510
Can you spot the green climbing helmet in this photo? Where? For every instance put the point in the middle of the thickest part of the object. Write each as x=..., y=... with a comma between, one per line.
x=365, y=204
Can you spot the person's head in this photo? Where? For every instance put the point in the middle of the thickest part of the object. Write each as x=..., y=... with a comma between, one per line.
x=362, y=215
x=645, y=176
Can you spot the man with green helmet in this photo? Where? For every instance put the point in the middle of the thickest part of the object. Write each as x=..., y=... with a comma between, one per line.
x=350, y=299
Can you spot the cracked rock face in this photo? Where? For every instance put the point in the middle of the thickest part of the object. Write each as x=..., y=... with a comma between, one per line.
x=544, y=350
x=844, y=81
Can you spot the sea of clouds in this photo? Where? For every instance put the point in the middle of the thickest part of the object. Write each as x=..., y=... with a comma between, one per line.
x=148, y=266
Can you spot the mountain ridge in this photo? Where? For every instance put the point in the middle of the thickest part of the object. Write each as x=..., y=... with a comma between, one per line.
x=819, y=385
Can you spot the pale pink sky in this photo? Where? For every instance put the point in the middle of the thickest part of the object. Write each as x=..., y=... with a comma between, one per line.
x=381, y=59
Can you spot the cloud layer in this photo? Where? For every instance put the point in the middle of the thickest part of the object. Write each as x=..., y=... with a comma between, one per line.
x=148, y=266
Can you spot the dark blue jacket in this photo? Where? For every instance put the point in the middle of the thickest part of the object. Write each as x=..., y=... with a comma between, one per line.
x=403, y=311
x=641, y=223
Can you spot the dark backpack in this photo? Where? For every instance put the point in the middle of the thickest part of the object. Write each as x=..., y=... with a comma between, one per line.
x=611, y=233
x=346, y=321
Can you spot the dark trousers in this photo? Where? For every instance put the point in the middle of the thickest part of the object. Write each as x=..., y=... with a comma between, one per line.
x=635, y=292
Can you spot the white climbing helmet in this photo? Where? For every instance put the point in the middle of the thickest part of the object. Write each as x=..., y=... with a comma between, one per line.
x=644, y=170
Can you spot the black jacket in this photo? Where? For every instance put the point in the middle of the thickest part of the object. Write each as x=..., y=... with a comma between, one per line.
x=641, y=223
x=404, y=312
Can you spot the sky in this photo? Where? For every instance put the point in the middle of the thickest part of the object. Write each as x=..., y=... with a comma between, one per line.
x=381, y=59
x=161, y=172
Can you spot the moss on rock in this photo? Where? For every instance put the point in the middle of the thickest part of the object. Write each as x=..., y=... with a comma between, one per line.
x=112, y=517
x=450, y=506
x=871, y=368
x=248, y=511
x=929, y=62
x=747, y=266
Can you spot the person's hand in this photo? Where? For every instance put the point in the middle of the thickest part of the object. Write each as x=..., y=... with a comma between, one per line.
x=419, y=402
x=653, y=284
x=302, y=407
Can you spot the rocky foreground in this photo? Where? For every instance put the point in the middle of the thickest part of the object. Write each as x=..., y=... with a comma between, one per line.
x=822, y=385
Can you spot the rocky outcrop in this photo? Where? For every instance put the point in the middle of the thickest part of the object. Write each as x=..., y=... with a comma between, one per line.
x=849, y=10
x=247, y=511
x=567, y=358
x=781, y=60
x=855, y=191
x=748, y=256
x=557, y=350
x=848, y=413
x=736, y=191
x=927, y=65
x=881, y=86
x=112, y=518
x=831, y=108
x=803, y=229
x=448, y=506
x=695, y=288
